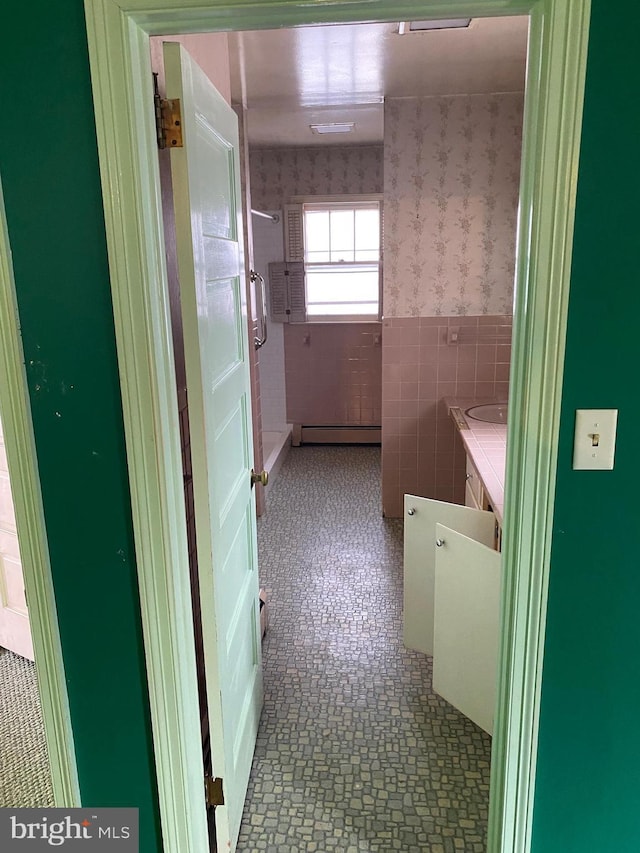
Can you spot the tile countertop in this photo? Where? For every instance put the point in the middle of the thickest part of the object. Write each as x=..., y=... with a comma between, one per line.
x=486, y=444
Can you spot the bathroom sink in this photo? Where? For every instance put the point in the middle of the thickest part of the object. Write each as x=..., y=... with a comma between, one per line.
x=492, y=413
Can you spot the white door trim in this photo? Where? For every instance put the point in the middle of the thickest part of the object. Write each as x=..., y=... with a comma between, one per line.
x=118, y=32
x=15, y=411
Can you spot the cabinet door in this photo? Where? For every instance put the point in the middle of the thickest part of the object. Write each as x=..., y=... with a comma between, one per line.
x=421, y=515
x=470, y=498
x=474, y=484
x=466, y=629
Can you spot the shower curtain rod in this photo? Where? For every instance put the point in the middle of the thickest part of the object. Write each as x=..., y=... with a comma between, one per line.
x=272, y=216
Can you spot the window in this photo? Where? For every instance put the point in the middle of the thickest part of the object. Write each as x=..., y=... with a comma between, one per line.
x=342, y=260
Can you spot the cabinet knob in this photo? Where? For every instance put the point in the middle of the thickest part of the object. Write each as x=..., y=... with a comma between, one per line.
x=468, y=476
x=439, y=542
x=411, y=511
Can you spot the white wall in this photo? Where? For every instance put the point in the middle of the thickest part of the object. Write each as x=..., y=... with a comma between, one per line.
x=15, y=632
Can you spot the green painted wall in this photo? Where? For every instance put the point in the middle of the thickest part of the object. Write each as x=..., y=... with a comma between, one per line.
x=49, y=168
x=588, y=781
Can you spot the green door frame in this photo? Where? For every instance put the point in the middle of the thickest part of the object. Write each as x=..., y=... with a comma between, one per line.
x=118, y=33
x=15, y=411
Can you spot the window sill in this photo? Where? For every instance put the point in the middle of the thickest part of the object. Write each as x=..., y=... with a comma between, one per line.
x=327, y=319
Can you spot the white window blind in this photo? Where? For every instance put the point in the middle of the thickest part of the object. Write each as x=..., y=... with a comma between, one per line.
x=293, y=232
x=286, y=290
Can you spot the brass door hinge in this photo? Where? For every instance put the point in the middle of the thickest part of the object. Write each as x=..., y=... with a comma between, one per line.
x=168, y=119
x=213, y=792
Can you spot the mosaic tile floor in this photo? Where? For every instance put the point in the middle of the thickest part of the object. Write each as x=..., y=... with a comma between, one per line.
x=354, y=752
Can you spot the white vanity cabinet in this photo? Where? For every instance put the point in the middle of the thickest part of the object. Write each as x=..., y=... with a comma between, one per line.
x=474, y=490
x=452, y=600
x=476, y=497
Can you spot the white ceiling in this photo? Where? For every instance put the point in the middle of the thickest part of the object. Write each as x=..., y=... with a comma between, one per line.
x=291, y=78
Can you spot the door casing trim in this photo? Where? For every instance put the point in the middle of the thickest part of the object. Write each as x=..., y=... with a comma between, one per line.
x=32, y=536
x=118, y=35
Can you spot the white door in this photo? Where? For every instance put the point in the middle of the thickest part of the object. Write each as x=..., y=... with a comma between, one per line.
x=206, y=187
x=421, y=515
x=15, y=632
x=466, y=629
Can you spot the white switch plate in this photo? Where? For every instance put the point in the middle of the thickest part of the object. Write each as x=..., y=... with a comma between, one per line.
x=594, y=442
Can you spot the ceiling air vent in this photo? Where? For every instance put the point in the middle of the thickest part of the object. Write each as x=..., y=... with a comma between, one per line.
x=405, y=27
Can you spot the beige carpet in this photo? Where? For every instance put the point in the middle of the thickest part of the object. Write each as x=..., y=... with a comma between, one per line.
x=24, y=765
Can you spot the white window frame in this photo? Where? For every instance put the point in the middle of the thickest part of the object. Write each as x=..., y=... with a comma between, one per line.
x=335, y=201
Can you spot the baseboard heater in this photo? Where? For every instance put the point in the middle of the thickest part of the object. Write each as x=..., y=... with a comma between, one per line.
x=309, y=434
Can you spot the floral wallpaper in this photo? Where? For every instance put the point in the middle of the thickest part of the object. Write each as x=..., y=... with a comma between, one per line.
x=451, y=178
x=277, y=174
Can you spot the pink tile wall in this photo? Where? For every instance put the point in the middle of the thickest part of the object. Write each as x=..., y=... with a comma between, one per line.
x=334, y=374
x=421, y=452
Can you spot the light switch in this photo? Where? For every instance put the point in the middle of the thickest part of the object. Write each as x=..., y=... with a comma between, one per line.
x=594, y=442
